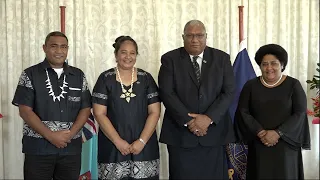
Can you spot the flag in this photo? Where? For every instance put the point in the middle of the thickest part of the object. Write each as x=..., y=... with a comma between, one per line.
x=89, y=162
x=237, y=152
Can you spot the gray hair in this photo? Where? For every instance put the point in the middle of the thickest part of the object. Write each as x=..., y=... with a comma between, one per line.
x=192, y=23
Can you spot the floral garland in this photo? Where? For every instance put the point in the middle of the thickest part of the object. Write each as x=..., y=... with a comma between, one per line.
x=314, y=84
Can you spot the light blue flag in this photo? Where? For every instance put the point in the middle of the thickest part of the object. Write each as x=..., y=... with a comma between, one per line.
x=89, y=162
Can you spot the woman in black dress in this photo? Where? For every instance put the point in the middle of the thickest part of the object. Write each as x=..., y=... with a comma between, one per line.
x=271, y=118
x=127, y=108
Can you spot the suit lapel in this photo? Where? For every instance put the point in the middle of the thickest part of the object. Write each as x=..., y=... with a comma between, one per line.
x=206, y=64
x=186, y=61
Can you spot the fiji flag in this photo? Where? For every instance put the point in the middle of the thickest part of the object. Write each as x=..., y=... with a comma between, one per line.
x=237, y=152
x=89, y=163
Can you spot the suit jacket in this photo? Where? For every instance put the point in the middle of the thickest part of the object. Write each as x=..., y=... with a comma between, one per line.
x=182, y=94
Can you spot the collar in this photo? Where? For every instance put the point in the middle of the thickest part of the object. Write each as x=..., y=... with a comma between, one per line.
x=66, y=68
x=200, y=55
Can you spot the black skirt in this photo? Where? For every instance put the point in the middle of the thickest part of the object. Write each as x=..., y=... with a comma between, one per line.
x=281, y=161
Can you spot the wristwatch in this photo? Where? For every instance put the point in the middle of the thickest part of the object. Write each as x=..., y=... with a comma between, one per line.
x=279, y=132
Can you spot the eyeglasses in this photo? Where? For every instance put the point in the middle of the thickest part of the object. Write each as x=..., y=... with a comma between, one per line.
x=197, y=36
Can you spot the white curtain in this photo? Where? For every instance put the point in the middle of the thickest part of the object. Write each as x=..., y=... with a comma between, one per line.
x=157, y=26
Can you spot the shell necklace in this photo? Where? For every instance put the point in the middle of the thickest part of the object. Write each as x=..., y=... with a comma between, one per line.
x=271, y=85
x=126, y=94
x=49, y=86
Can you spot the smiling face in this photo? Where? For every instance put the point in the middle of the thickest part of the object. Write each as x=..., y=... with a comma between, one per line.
x=270, y=68
x=56, y=50
x=126, y=55
x=195, y=38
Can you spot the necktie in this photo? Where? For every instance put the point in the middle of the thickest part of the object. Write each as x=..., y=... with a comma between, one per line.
x=196, y=67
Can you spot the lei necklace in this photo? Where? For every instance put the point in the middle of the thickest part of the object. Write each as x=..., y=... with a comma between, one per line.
x=51, y=93
x=127, y=94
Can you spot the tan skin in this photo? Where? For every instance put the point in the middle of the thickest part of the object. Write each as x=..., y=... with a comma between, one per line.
x=56, y=52
x=126, y=58
x=195, y=45
x=271, y=72
x=270, y=69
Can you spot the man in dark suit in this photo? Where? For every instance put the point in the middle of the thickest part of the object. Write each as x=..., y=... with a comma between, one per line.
x=196, y=86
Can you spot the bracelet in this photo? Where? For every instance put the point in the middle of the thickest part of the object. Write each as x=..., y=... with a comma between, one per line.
x=141, y=140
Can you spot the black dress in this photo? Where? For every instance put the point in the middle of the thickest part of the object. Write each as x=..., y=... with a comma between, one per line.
x=129, y=120
x=280, y=108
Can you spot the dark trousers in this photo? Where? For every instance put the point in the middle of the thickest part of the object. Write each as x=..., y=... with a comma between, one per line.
x=56, y=167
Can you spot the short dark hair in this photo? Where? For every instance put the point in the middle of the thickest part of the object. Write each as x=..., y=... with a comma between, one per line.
x=274, y=49
x=122, y=39
x=55, y=33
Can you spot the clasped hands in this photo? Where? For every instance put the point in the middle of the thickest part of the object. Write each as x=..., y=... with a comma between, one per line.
x=199, y=124
x=60, y=139
x=268, y=137
x=125, y=148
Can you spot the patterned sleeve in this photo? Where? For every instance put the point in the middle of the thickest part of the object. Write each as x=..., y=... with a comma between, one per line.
x=24, y=94
x=100, y=92
x=152, y=90
x=85, y=94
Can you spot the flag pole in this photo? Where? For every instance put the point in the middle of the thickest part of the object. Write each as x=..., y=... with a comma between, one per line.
x=63, y=18
x=241, y=22
x=243, y=71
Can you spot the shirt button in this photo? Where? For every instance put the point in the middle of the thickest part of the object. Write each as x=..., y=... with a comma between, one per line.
x=61, y=110
x=200, y=96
